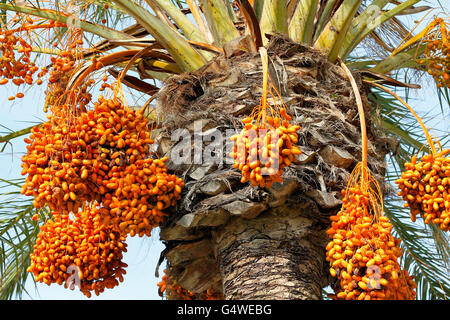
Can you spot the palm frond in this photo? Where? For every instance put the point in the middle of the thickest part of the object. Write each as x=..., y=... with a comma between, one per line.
x=18, y=234
x=219, y=21
x=333, y=35
x=93, y=28
x=181, y=51
x=301, y=26
x=6, y=139
x=444, y=97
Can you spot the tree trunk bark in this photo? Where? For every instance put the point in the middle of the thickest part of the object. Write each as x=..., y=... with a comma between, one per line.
x=272, y=257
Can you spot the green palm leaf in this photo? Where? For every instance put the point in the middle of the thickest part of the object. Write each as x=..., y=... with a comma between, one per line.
x=90, y=27
x=18, y=233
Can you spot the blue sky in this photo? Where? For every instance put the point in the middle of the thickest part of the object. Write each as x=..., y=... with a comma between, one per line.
x=143, y=253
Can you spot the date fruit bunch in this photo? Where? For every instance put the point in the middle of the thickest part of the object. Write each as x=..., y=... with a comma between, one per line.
x=362, y=252
x=175, y=291
x=61, y=163
x=267, y=143
x=437, y=51
x=79, y=251
x=425, y=186
x=265, y=146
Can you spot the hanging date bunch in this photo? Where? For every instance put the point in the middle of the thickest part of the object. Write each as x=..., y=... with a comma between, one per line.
x=16, y=49
x=79, y=252
x=61, y=70
x=136, y=188
x=425, y=186
x=60, y=163
x=96, y=166
x=437, y=51
x=174, y=291
x=267, y=143
x=362, y=251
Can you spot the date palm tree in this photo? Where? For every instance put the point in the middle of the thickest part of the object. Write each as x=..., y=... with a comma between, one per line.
x=197, y=66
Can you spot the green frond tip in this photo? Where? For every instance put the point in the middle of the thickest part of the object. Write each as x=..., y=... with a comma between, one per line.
x=219, y=21
x=7, y=138
x=301, y=26
x=18, y=233
x=334, y=33
x=181, y=51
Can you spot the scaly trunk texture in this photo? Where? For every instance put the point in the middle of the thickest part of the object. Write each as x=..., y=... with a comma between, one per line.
x=272, y=257
x=247, y=242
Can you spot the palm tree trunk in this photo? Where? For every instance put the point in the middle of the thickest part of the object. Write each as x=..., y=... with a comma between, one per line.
x=272, y=257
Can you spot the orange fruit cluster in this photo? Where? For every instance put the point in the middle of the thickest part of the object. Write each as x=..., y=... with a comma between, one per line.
x=425, y=186
x=144, y=190
x=81, y=252
x=17, y=69
x=103, y=155
x=16, y=64
x=71, y=158
x=176, y=292
x=60, y=164
x=437, y=52
x=363, y=253
x=135, y=188
x=61, y=71
x=264, y=147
